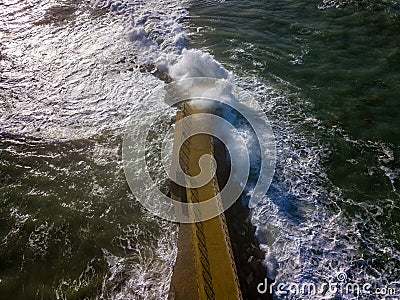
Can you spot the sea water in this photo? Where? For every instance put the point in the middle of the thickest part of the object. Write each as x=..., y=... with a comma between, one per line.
x=326, y=74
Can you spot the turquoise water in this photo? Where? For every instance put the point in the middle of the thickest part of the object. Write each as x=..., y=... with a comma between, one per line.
x=326, y=74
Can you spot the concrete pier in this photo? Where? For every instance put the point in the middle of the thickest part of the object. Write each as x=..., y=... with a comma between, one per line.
x=205, y=266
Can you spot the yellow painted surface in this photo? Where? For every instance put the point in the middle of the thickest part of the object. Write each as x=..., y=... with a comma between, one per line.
x=205, y=268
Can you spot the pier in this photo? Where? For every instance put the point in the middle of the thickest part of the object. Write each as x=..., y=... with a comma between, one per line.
x=205, y=266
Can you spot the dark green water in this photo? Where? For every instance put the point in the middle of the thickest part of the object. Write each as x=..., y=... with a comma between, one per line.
x=335, y=77
x=326, y=74
x=344, y=61
x=69, y=226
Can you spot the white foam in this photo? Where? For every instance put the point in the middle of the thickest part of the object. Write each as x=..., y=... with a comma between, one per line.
x=305, y=235
x=153, y=26
x=302, y=229
x=196, y=63
x=147, y=272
